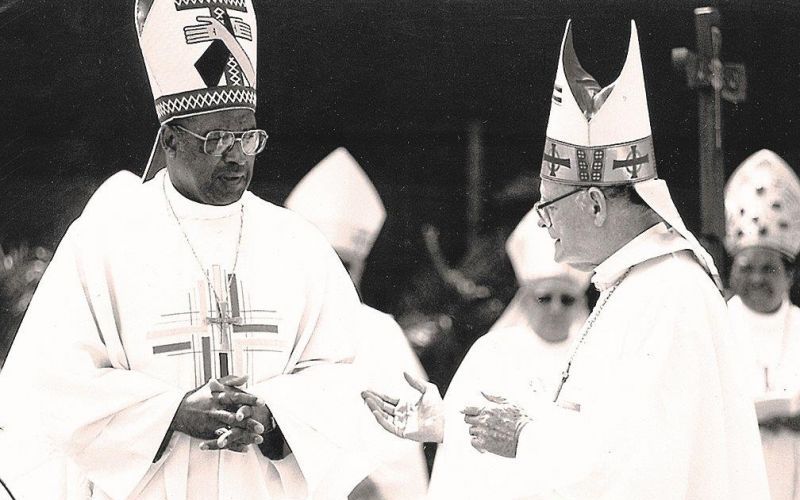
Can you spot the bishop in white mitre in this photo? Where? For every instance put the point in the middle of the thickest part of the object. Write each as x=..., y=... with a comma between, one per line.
x=651, y=402
x=338, y=197
x=521, y=357
x=155, y=298
x=762, y=205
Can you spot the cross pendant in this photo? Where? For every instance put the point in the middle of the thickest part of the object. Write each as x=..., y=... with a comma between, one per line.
x=226, y=323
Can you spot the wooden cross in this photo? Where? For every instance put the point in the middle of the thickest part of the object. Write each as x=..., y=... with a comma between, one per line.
x=714, y=81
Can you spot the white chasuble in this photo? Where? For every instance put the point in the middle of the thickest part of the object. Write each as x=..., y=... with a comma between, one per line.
x=512, y=362
x=130, y=316
x=770, y=353
x=654, y=406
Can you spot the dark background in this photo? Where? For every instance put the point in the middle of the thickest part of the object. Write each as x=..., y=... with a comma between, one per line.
x=397, y=83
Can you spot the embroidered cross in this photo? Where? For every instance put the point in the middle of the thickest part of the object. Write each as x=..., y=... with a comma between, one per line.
x=555, y=161
x=633, y=163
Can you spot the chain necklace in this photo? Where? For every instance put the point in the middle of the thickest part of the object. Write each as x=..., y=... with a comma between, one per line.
x=589, y=324
x=196, y=257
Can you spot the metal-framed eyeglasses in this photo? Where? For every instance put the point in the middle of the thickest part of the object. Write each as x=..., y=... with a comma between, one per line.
x=541, y=208
x=219, y=142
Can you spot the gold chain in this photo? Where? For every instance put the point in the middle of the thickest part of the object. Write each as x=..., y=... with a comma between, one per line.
x=589, y=324
x=196, y=257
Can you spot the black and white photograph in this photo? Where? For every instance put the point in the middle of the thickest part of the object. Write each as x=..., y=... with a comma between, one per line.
x=406, y=250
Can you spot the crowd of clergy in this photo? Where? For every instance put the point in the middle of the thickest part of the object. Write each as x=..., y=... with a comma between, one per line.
x=192, y=341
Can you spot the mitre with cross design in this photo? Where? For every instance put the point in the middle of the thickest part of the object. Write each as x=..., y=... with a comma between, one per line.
x=598, y=136
x=200, y=57
x=601, y=137
x=762, y=205
x=338, y=197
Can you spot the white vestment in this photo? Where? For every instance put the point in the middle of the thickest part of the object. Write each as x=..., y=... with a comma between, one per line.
x=124, y=323
x=654, y=407
x=770, y=345
x=512, y=362
x=382, y=355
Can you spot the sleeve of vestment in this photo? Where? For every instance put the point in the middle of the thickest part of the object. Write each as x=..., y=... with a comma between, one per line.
x=316, y=400
x=69, y=364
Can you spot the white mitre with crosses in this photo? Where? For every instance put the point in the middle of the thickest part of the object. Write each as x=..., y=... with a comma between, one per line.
x=200, y=57
x=598, y=136
x=601, y=137
x=338, y=198
x=762, y=205
x=531, y=251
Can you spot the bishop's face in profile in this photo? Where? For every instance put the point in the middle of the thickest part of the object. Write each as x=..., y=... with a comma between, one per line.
x=206, y=164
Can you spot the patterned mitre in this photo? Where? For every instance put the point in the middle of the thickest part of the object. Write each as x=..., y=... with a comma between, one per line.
x=338, y=198
x=762, y=205
x=200, y=57
x=595, y=136
x=531, y=251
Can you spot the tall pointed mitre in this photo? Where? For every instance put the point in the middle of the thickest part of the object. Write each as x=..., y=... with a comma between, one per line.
x=338, y=198
x=200, y=57
x=762, y=205
x=532, y=254
x=601, y=136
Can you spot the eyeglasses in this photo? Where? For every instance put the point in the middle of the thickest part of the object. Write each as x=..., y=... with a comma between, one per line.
x=540, y=207
x=219, y=142
x=566, y=300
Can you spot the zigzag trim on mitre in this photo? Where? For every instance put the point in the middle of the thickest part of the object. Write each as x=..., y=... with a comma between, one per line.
x=203, y=100
x=623, y=163
x=238, y=5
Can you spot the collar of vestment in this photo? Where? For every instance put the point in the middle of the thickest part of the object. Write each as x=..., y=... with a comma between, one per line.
x=188, y=209
x=655, y=242
x=760, y=322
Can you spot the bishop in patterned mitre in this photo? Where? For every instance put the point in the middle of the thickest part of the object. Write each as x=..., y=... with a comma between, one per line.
x=189, y=340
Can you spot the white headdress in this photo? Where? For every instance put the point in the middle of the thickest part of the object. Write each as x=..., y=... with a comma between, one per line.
x=601, y=136
x=762, y=205
x=338, y=198
x=200, y=57
x=532, y=255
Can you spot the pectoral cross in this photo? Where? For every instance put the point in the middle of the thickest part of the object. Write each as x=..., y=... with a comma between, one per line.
x=714, y=82
x=226, y=322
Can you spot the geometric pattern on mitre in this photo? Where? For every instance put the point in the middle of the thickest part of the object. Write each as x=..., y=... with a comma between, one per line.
x=338, y=197
x=608, y=145
x=531, y=251
x=200, y=55
x=762, y=205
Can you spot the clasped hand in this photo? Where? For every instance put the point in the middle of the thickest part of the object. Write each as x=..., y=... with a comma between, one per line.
x=223, y=415
x=421, y=420
x=495, y=427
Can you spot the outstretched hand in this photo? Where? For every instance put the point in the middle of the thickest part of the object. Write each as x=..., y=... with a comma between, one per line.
x=421, y=420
